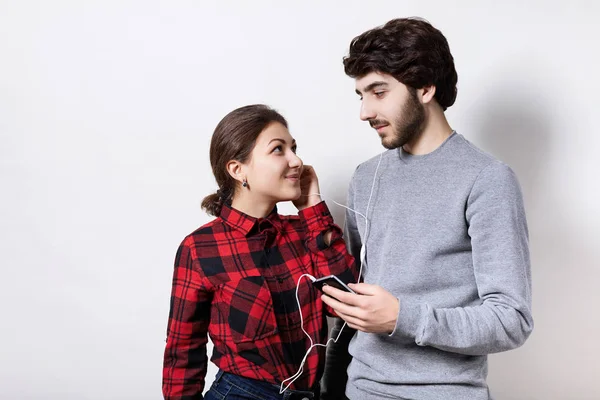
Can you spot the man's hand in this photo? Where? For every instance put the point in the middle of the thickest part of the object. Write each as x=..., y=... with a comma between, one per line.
x=372, y=309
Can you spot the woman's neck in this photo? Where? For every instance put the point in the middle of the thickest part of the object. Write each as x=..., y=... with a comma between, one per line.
x=252, y=207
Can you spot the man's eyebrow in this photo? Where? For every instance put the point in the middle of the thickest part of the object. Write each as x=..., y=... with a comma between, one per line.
x=371, y=86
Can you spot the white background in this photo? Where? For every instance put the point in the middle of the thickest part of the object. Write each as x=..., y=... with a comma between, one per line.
x=106, y=113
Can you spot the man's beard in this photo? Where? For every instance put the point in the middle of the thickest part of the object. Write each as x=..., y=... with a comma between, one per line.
x=409, y=122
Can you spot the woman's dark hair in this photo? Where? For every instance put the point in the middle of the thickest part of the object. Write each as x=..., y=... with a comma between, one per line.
x=233, y=139
x=409, y=49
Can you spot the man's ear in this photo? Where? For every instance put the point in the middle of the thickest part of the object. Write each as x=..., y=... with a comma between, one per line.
x=426, y=94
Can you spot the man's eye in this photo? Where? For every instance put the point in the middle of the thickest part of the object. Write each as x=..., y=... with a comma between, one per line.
x=379, y=94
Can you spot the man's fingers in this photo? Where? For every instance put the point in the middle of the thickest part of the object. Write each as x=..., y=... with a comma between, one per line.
x=339, y=307
x=352, y=322
x=342, y=296
x=364, y=288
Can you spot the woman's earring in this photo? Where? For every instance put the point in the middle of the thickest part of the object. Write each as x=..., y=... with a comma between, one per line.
x=245, y=183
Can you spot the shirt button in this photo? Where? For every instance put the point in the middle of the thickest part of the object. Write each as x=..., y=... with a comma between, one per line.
x=267, y=251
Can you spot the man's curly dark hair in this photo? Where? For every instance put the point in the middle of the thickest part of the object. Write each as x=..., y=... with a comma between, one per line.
x=409, y=49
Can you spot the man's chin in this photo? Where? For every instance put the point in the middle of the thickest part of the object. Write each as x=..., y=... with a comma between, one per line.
x=390, y=143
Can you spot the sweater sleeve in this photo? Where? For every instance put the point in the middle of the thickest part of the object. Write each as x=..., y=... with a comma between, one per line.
x=499, y=238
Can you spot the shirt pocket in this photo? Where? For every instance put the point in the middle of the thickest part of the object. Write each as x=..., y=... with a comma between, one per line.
x=251, y=312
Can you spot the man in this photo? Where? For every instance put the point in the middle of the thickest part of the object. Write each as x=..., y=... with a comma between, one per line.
x=446, y=267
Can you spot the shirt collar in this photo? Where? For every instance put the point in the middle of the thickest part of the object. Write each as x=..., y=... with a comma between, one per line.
x=249, y=225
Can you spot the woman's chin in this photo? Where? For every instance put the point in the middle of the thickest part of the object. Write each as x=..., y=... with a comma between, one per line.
x=291, y=195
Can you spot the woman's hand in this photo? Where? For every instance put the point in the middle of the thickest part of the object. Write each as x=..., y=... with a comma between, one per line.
x=309, y=186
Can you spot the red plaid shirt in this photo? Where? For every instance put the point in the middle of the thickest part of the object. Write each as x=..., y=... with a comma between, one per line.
x=235, y=279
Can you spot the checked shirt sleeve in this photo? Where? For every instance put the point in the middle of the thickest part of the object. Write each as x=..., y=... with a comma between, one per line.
x=327, y=260
x=185, y=359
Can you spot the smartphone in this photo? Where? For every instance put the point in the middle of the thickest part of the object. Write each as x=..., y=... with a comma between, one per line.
x=332, y=281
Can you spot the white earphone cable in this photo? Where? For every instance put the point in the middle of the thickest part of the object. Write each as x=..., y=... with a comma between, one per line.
x=362, y=262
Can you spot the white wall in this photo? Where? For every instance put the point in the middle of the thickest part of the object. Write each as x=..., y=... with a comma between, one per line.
x=106, y=112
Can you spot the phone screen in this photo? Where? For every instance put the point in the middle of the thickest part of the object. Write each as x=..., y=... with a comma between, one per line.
x=332, y=281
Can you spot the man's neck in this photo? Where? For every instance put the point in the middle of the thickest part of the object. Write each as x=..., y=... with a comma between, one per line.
x=435, y=132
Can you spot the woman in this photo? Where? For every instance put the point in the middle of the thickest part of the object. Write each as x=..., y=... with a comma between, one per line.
x=235, y=278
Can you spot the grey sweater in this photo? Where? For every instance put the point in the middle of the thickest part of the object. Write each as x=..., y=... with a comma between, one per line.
x=448, y=237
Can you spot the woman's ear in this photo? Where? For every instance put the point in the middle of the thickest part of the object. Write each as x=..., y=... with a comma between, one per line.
x=236, y=170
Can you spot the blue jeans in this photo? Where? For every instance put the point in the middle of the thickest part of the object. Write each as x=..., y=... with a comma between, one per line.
x=233, y=387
